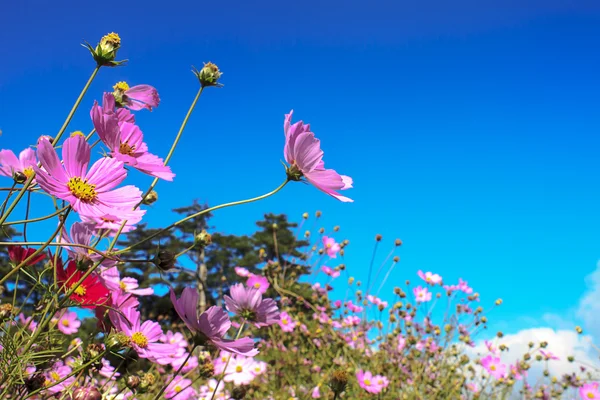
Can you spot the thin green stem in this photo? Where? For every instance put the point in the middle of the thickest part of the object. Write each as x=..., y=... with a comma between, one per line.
x=227, y=363
x=5, y=202
x=26, y=221
x=54, y=144
x=176, y=141
x=205, y=211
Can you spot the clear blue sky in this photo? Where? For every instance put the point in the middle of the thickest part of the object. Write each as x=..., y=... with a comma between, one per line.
x=471, y=128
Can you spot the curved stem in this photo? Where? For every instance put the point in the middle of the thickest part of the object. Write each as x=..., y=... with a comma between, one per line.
x=54, y=143
x=208, y=210
x=26, y=221
x=176, y=141
x=227, y=363
x=175, y=374
x=5, y=202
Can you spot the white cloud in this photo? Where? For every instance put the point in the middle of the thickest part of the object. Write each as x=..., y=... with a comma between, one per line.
x=588, y=309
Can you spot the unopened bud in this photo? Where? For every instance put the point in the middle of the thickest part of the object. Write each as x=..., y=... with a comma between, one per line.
x=87, y=393
x=578, y=329
x=318, y=214
x=150, y=198
x=117, y=341
x=203, y=239
x=239, y=392
x=19, y=177
x=336, y=228
x=209, y=75
x=338, y=381
x=498, y=302
x=6, y=311
x=164, y=260
x=305, y=215
x=133, y=381
x=378, y=237
x=398, y=242
x=105, y=52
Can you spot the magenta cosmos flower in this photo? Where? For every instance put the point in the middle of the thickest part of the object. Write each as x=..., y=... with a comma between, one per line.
x=331, y=247
x=303, y=153
x=494, y=366
x=137, y=97
x=258, y=282
x=367, y=381
x=589, y=391
x=180, y=389
x=52, y=377
x=89, y=192
x=126, y=140
x=249, y=304
x=286, y=322
x=421, y=294
x=211, y=326
x=330, y=271
x=10, y=164
x=82, y=233
x=113, y=281
x=68, y=323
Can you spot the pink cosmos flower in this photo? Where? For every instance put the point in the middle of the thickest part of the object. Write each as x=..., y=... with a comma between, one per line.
x=330, y=271
x=490, y=346
x=259, y=368
x=315, y=394
x=27, y=321
x=331, y=247
x=367, y=382
x=472, y=387
x=337, y=303
x=108, y=222
x=239, y=370
x=82, y=233
x=401, y=343
x=421, y=294
x=68, y=323
x=90, y=192
x=258, y=282
x=548, y=355
x=138, y=97
x=144, y=337
x=494, y=366
x=176, y=339
x=353, y=307
x=462, y=286
x=432, y=279
x=382, y=381
x=517, y=372
x=590, y=391
x=108, y=371
x=212, y=325
x=126, y=140
x=243, y=272
x=286, y=322
x=180, y=389
x=113, y=281
x=10, y=164
x=58, y=371
x=303, y=152
x=189, y=364
x=248, y=303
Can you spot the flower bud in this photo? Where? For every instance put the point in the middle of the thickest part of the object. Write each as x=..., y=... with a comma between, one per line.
x=116, y=341
x=498, y=302
x=206, y=369
x=398, y=242
x=6, y=311
x=239, y=392
x=305, y=215
x=318, y=214
x=35, y=382
x=87, y=393
x=19, y=177
x=150, y=198
x=378, y=237
x=94, y=350
x=164, y=260
x=105, y=52
x=133, y=381
x=338, y=381
x=578, y=329
x=203, y=239
x=148, y=379
x=209, y=75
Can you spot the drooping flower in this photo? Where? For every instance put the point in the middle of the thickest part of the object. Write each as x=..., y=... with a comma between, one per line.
x=20, y=168
x=331, y=247
x=239, y=370
x=248, y=303
x=82, y=233
x=90, y=192
x=211, y=326
x=137, y=97
x=303, y=153
x=90, y=294
x=421, y=294
x=180, y=388
x=432, y=279
x=367, y=381
x=18, y=254
x=68, y=323
x=113, y=281
x=330, y=271
x=286, y=322
x=590, y=391
x=494, y=366
x=126, y=140
x=243, y=272
x=258, y=282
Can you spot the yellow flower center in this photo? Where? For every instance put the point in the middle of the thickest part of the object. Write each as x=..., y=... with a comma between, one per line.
x=328, y=245
x=178, y=389
x=284, y=321
x=367, y=382
x=121, y=86
x=257, y=285
x=28, y=172
x=65, y=322
x=77, y=133
x=125, y=148
x=238, y=369
x=54, y=375
x=590, y=395
x=493, y=368
x=81, y=189
x=112, y=38
x=139, y=339
x=124, y=287
x=112, y=220
x=79, y=290
x=257, y=369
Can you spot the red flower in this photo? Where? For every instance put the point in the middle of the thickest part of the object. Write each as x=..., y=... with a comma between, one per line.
x=89, y=294
x=19, y=254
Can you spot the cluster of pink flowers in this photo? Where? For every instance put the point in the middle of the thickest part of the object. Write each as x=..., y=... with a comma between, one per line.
x=373, y=384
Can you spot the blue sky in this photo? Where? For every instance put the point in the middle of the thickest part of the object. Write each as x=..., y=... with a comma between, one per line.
x=471, y=130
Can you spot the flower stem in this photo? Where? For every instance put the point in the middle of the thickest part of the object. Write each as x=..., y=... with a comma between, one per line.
x=176, y=141
x=26, y=221
x=227, y=363
x=54, y=143
x=208, y=210
x=175, y=374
